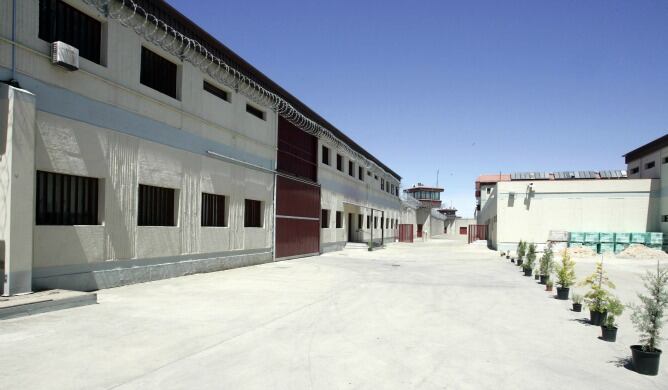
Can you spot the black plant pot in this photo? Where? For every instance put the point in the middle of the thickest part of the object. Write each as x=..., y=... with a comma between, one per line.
x=543, y=279
x=562, y=293
x=609, y=334
x=512, y=260
x=507, y=257
x=645, y=362
x=519, y=262
x=577, y=307
x=536, y=277
x=596, y=317
x=528, y=271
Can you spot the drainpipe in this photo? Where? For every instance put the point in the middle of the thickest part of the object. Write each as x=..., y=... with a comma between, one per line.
x=13, y=80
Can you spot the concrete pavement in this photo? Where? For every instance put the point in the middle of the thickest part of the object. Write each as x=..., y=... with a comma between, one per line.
x=433, y=315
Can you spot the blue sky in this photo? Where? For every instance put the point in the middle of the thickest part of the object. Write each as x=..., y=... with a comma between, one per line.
x=465, y=87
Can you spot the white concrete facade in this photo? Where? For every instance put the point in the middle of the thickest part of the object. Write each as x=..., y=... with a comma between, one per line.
x=517, y=211
x=101, y=122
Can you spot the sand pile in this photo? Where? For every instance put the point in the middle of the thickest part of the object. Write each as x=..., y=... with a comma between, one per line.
x=639, y=251
x=580, y=252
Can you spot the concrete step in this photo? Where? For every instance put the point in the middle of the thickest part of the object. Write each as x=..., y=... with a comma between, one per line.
x=356, y=245
x=43, y=301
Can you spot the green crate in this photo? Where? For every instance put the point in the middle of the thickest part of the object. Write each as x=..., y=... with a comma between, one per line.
x=620, y=247
x=655, y=246
x=591, y=245
x=623, y=238
x=576, y=237
x=575, y=245
x=607, y=237
x=607, y=247
x=638, y=238
x=655, y=238
x=592, y=237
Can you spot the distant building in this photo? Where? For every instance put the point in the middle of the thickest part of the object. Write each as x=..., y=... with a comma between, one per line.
x=429, y=221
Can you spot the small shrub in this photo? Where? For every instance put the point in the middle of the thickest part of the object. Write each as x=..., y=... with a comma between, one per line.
x=547, y=262
x=521, y=249
x=597, y=297
x=577, y=298
x=549, y=283
x=531, y=256
x=566, y=271
x=614, y=308
x=648, y=315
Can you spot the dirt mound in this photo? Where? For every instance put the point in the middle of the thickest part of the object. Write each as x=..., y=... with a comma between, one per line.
x=639, y=251
x=580, y=252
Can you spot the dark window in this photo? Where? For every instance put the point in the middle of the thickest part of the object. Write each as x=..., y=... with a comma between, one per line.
x=213, y=210
x=253, y=213
x=59, y=21
x=368, y=221
x=210, y=88
x=324, y=219
x=325, y=155
x=489, y=189
x=649, y=165
x=375, y=177
x=360, y=221
x=360, y=173
x=158, y=73
x=66, y=199
x=339, y=162
x=156, y=206
x=339, y=220
x=375, y=222
x=462, y=230
x=382, y=184
x=665, y=160
x=368, y=173
x=255, y=111
x=351, y=169
x=397, y=191
x=387, y=224
x=664, y=218
x=635, y=170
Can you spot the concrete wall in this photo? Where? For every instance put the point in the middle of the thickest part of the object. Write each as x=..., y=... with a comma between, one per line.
x=659, y=171
x=453, y=225
x=574, y=205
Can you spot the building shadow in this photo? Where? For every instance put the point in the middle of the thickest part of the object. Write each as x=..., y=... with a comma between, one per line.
x=584, y=321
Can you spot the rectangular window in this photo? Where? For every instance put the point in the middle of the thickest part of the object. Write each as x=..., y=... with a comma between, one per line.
x=252, y=213
x=665, y=160
x=375, y=222
x=339, y=220
x=213, y=210
x=635, y=170
x=649, y=165
x=324, y=219
x=59, y=21
x=158, y=73
x=368, y=173
x=156, y=206
x=210, y=88
x=664, y=218
x=66, y=199
x=489, y=189
x=382, y=184
x=360, y=221
x=360, y=173
x=462, y=230
x=351, y=168
x=325, y=155
x=255, y=111
x=387, y=224
x=375, y=177
x=339, y=162
x=368, y=221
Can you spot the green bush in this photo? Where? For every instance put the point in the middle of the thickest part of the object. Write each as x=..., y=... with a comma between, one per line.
x=597, y=297
x=547, y=262
x=648, y=315
x=566, y=271
x=614, y=308
x=521, y=249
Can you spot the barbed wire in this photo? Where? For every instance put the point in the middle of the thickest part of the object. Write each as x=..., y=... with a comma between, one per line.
x=131, y=15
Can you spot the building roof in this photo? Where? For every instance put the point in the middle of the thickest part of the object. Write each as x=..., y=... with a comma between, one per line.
x=646, y=149
x=422, y=187
x=493, y=178
x=178, y=21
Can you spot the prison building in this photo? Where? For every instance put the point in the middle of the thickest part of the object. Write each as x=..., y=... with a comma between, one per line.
x=528, y=205
x=135, y=147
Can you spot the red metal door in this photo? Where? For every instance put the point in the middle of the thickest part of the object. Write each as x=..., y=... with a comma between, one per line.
x=419, y=230
x=477, y=232
x=405, y=232
x=297, y=217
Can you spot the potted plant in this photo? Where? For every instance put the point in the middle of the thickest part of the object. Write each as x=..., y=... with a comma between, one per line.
x=546, y=265
x=565, y=275
x=531, y=260
x=614, y=308
x=548, y=285
x=577, y=302
x=521, y=252
x=598, y=295
x=536, y=276
x=648, y=320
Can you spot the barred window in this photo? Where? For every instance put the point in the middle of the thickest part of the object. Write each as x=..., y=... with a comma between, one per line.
x=213, y=210
x=66, y=199
x=324, y=220
x=212, y=89
x=158, y=73
x=325, y=155
x=339, y=162
x=255, y=111
x=58, y=21
x=156, y=206
x=253, y=213
x=339, y=220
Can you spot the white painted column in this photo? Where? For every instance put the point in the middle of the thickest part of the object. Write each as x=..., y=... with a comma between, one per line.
x=17, y=188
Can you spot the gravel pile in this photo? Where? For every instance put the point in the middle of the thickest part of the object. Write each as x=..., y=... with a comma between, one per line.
x=639, y=251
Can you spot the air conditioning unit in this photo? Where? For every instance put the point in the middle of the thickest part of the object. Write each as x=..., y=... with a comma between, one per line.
x=65, y=55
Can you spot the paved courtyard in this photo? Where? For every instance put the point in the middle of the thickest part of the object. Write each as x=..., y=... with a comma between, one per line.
x=434, y=315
